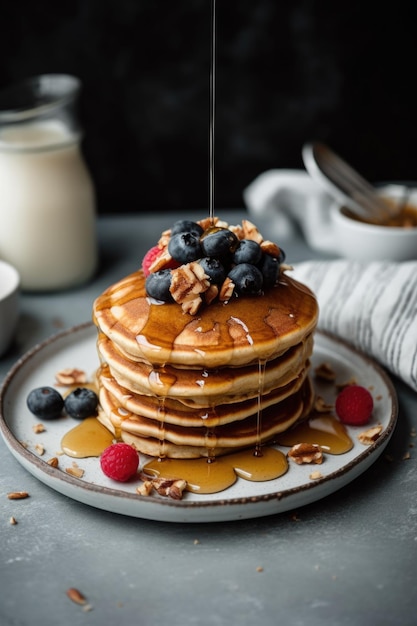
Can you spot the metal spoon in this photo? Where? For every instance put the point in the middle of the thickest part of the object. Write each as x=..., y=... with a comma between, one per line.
x=345, y=184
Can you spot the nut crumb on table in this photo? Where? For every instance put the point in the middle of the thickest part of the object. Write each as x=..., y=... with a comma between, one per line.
x=17, y=495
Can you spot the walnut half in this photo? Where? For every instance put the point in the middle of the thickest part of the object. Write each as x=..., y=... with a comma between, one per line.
x=306, y=453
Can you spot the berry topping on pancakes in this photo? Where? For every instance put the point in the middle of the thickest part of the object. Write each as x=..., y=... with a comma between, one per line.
x=210, y=260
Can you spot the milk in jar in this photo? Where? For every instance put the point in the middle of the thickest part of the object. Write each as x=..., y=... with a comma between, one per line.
x=47, y=202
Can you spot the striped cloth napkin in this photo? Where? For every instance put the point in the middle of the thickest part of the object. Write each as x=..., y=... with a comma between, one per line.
x=373, y=306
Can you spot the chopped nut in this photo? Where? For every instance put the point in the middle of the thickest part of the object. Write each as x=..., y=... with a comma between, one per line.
x=238, y=231
x=12, y=521
x=251, y=232
x=40, y=449
x=226, y=290
x=38, y=428
x=211, y=294
x=306, y=453
x=173, y=488
x=70, y=376
x=145, y=489
x=316, y=475
x=192, y=306
x=53, y=462
x=271, y=248
x=76, y=596
x=325, y=372
x=75, y=471
x=259, y=568
x=170, y=488
x=406, y=456
x=187, y=283
x=17, y=495
x=164, y=238
x=161, y=261
x=367, y=437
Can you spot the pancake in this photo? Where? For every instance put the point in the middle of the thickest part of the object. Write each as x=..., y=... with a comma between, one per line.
x=242, y=331
x=184, y=381
x=120, y=402
x=185, y=442
x=203, y=387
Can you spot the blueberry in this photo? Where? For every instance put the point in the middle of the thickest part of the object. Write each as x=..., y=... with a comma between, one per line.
x=247, y=279
x=214, y=269
x=186, y=226
x=184, y=247
x=81, y=403
x=248, y=251
x=157, y=285
x=269, y=267
x=45, y=402
x=219, y=243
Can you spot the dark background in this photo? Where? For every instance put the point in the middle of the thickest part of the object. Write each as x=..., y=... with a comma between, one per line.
x=287, y=72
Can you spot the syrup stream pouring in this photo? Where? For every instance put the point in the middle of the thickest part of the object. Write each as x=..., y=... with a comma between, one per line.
x=345, y=184
x=212, y=106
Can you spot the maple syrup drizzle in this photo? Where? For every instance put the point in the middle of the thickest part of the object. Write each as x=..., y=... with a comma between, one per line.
x=261, y=379
x=161, y=420
x=88, y=438
x=212, y=106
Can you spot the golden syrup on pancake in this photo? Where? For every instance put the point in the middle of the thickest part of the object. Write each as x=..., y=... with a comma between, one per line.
x=88, y=438
x=253, y=323
x=261, y=379
x=324, y=430
x=161, y=421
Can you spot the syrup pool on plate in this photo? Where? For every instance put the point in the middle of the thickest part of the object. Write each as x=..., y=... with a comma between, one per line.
x=89, y=438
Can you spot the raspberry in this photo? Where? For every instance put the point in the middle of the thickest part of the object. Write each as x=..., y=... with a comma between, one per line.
x=120, y=461
x=149, y=258
x=354, y=405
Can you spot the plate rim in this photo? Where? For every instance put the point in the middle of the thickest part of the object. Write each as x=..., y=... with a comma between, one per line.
x=18, y=449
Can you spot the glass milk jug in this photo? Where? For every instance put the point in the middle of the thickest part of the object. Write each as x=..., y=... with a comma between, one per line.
x=47, y=201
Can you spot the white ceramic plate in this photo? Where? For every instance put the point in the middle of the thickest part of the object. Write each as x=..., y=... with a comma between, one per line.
x=76, y=348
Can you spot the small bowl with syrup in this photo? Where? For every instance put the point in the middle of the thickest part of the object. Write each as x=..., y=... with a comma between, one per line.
x=393, y=240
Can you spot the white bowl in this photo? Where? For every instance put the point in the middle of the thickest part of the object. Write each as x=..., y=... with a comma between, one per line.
x=9, y=304
x=369, y=242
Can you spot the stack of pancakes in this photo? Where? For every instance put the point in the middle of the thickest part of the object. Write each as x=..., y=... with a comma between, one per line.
x=186, y=386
